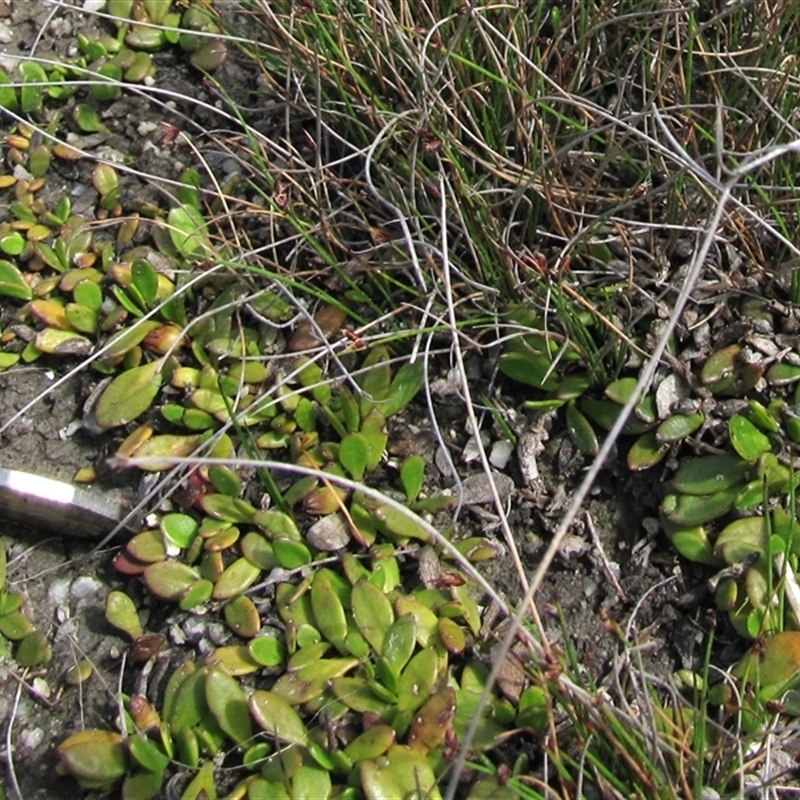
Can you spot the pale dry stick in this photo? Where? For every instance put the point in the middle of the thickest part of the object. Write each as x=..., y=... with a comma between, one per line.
x=574, y=508
x=213, y=178
x=646, y=709
x=339, y=480
x=467, y=396
x=677, y=153
x=648, y=372
x=438, y=433
x=610, y=574
x=177, y=470
x=401, y=217
x=41, y=32
x=12, y=773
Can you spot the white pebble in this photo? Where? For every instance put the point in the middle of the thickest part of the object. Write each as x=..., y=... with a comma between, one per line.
x=501, y=452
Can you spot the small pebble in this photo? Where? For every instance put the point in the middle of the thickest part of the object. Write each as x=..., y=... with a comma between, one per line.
x=205, y=647
x=442, y=463
x=472, y=450
x=193, y=630
x=86, y=589
x=218, y=633
x=477, y=488
x=58, y=591
x=501, y=453
x=329, y=533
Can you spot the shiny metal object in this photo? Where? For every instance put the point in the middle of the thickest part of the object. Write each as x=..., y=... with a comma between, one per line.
x=44, y=503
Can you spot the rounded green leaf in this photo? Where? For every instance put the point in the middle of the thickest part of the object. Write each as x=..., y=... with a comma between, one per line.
x=62, y=343
x=329, y=612
x=143, y=785
x=291, y=554
x=403, y=772
x=687, y=510
x=374, y=742
x=88, y=119
x=412, y=476
x=400, y=642
x=12, y=243
x=162, y=450
x=433, y=721
x=750, y=496
x=452, y=636
x=408, y=380
x=357, y=695
x=354, y=453
x=235, y=659
x=692, y=543
x=620, y=391
x=228, y=703
x=229, y=509
x=242, y=617
x=310, y=681
x=783, y=374
x=426, y=623
x=202, y=785
x=169, y=580
x=373, y=428
x=741, y=539
x=771, y=661
x=147, y=546
x=237, y=578
x=764, y=418
x=187, y=232
x=189, y=705
x=747, y=440
x=180, y=529
x=12, y=284
x=277, y=718
x=267, y=650
x=709, y=474
x=105, y=179
x=15, y=625
x=121, y=612
x=417, y=680
x=209, y=56
x=147, y=753
x=679, y=426
x=34, y=650
x=129, y=395
x=257, y=550
x=646, y=452
x=196, y=594
x=372, y=612
x=531, y=369
x=401, y=524
x=225, y=480
x=94, y=755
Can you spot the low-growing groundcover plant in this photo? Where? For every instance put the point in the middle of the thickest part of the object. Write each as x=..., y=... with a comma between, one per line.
x=597, y=199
